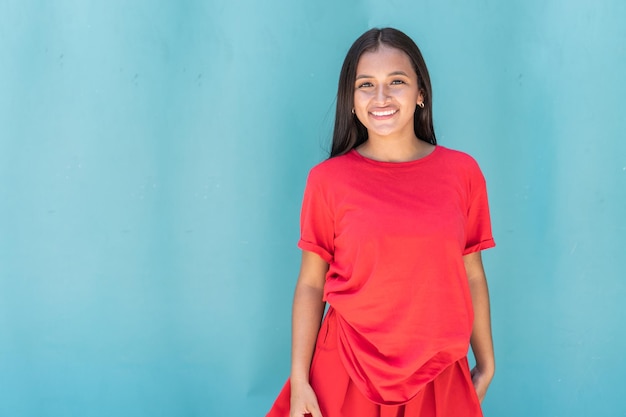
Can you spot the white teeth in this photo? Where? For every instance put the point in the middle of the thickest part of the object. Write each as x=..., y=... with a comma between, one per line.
x=383, y=113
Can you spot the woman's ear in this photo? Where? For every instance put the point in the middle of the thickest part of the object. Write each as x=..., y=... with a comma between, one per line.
x=420, y=99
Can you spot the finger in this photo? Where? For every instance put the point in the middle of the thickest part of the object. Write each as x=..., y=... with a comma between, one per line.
x=315, y=412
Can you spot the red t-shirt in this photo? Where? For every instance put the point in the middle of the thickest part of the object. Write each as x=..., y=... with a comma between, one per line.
x=394, y=235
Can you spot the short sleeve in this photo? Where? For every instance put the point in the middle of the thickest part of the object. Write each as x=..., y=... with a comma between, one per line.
x=478, y=226
x=316, y=219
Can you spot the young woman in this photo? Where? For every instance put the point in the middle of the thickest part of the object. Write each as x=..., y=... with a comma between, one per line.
x=391, y=231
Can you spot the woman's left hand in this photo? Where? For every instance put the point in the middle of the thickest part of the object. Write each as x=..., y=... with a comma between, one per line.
x=481, y=381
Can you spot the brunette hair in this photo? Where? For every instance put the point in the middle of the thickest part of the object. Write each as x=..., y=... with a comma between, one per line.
x=349, y=132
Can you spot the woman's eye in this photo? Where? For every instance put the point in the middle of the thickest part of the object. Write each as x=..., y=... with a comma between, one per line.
x=397, y=82
x=365, y=85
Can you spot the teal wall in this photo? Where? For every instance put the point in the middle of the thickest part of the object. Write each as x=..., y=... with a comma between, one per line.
x=152, y=160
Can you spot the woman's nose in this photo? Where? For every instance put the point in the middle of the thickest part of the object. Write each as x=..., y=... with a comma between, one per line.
x=381, y=93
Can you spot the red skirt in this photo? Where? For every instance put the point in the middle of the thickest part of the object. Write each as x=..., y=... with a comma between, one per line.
x=451, y=394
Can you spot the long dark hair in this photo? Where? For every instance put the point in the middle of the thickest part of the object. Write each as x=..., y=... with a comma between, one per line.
x=349, y=132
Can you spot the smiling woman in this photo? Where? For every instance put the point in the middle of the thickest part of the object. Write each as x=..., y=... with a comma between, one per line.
x=391, y=231
x=386, y=93
x=364, y=54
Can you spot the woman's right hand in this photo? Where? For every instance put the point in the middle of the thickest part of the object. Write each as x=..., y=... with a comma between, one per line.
x=303, y=400
x=308, y=309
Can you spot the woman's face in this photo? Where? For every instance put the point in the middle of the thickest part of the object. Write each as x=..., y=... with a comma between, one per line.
x=386, y=92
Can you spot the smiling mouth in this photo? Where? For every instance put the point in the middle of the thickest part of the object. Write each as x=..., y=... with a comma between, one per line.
x=384, y=113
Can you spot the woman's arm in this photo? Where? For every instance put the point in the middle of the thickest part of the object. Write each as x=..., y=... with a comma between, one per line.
x=481, y=341
x=308, y=309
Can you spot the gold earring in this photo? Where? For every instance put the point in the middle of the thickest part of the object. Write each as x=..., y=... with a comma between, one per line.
x=353, y=110
x=421, y=105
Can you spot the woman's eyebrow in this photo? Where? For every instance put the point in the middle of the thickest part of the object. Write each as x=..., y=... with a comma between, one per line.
x=358, y=77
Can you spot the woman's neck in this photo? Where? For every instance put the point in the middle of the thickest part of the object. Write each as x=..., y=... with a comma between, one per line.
x=395, y=149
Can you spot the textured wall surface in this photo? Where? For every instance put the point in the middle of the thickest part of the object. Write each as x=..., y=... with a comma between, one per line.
x=152, y=160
